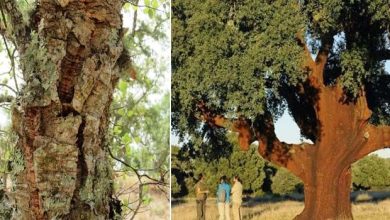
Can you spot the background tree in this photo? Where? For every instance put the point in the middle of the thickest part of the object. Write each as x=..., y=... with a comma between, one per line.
x=71, y=56
x=247, y=165
x=239, y=64
x=283, y=182
x=371, y=172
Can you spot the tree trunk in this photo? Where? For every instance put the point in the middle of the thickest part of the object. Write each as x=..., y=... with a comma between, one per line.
x=327, y=195
x=70, y=65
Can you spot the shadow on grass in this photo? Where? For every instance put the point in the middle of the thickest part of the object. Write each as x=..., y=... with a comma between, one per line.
x=369, y=196
x=356, y=197
x=254, y=215
x=249, y=201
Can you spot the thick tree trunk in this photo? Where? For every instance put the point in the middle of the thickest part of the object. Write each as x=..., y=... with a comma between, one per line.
x=327, y=195
x=70, y=66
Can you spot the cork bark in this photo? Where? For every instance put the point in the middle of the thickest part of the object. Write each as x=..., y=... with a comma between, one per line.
x=69, y=54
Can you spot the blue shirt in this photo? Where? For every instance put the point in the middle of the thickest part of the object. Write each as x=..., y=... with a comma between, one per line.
x=227, y=188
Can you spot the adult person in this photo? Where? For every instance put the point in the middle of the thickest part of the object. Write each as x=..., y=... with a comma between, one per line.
x=236, y=198
x=201, y=196
x=223, y=199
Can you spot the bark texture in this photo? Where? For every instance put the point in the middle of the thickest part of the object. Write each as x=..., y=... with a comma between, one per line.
x=338, y=126
x=69, y=60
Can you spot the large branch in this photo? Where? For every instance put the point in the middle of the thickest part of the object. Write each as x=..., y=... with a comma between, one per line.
x=308, y=60
x=240, y=125
x=377, y=137
x=19, y=28
x=270, y=147
x=291, y=156
x=322, y=57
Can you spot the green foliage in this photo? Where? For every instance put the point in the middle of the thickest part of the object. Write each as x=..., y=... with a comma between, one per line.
x=371, y=172
x=237, y=56
x=26, y=7
x=224, y=54
x=175, y=187
x=139, y=129
x=284, y=182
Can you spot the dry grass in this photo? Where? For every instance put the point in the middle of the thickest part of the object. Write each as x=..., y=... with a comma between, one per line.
x=372, y=210
x=280, y=210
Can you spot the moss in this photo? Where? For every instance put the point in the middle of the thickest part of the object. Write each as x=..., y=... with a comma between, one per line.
x=40, y=73
x=17, y=163
x=5, y=208
x=97, y=188
x=55, y=165
x=64, y=129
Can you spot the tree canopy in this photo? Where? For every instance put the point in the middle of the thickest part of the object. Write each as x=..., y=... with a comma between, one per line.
x=245, y=57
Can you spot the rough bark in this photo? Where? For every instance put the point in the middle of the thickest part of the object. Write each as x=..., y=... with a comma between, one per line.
x=70, y=64
x=339, y=127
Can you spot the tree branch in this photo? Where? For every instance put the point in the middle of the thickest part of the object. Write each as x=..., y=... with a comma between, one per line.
x=326, y=46
x=270, y=147
x=241, y=126
x=376, y=137
x=9, y=87
x=322, y=57
x=309, y=62
x=144, y=6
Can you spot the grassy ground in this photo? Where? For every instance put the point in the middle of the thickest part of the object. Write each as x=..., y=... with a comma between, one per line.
x=282, y=210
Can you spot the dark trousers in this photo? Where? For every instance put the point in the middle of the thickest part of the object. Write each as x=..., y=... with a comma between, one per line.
x=201, y=209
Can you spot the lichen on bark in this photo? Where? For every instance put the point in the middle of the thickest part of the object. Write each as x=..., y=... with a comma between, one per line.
x=70, y=65
x=55, y=166
x=40, y=72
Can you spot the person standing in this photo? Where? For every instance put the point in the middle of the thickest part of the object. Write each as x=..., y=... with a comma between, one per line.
x=223, y=199
x=236, y=198
x=201, y=196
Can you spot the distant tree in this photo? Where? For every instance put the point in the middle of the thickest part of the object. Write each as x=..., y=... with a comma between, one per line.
x=247, y=165
x=239, y=64
x=284, y=182
x=371, y=172
x=175, y=187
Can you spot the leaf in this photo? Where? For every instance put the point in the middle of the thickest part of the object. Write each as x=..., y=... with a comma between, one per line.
x=126, y=138
x=155, y=4
x=122, y=86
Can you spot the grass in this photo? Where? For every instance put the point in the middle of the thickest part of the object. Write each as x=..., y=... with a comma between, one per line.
x=282, y=210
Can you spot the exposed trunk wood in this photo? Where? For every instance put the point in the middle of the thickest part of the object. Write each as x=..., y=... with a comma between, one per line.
x=70, y=68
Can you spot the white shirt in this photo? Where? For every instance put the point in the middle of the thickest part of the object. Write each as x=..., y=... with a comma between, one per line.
x=237, y=193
